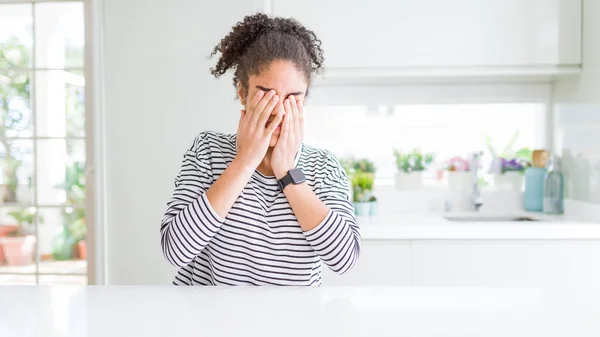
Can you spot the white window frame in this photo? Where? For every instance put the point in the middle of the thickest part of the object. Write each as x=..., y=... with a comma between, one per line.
x=91, y=273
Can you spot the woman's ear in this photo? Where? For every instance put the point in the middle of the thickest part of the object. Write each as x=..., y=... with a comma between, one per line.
x=241, y=94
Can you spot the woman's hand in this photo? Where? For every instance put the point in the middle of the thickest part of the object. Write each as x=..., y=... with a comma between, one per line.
x=254, y=135
x=290, y=138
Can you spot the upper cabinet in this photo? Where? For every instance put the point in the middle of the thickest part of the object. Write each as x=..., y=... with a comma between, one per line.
x=448, y=37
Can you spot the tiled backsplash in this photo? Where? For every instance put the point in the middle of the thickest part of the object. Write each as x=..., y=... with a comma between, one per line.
x=577, y=141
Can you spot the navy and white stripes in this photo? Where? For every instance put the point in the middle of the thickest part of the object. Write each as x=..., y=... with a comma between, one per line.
x=260, y=241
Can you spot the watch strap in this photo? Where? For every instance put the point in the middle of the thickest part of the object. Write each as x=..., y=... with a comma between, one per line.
x=286, y=180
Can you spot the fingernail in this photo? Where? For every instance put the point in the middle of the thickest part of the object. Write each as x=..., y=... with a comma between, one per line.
x=271, y=92
x=276, y=98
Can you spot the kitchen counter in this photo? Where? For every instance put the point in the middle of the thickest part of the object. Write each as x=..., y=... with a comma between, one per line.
x=407, y=226
x=266, y=311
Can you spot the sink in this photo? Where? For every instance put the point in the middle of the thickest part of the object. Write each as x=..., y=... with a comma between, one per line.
x=487, y=218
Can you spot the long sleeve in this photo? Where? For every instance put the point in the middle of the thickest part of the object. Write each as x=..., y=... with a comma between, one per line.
x=190, y=222
x=336, y=239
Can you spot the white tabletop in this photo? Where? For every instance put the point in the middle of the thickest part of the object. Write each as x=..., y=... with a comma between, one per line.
x=255, y=311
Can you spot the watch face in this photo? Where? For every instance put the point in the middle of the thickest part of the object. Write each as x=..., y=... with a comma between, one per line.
x=297, y=176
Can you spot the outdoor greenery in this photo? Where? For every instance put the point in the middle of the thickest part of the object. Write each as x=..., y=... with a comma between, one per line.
x=413, y=161
x=24, y=218
x=15, y=115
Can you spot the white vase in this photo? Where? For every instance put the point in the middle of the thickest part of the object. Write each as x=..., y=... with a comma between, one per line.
x=511, y=180
x=362, y=208
x=460, y=181
x=409, y=181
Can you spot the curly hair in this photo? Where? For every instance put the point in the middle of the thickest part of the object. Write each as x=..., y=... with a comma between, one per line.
x=258, y=39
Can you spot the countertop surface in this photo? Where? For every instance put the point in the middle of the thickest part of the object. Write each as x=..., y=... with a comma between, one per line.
x=265, y=311
x=416, y=226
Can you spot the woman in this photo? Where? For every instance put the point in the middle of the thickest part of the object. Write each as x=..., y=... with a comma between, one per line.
x=259, y=207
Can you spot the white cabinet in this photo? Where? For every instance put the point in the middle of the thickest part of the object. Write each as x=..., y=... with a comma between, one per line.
x=385, y=34
x=505, y=263
x=382, y=263
x=479, y=263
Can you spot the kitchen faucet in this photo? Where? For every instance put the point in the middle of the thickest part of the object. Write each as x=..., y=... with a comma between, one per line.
x=476, y=199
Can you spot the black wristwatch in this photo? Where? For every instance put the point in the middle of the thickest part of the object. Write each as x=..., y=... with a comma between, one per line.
x=294, y=176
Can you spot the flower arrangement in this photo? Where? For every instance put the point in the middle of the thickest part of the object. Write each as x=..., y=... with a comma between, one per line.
x=513, y=165
x=509, y=160
x=458, y=164
x=414, y=161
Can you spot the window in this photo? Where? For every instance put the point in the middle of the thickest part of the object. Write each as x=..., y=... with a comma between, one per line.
x=42, y=143
x=445, y=129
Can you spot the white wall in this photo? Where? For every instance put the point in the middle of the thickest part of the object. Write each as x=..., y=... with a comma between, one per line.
x=158, y=96
x=577, y=115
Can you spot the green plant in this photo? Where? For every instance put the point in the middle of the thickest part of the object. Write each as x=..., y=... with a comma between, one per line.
x=348, y=166
x=363, y=165
x=414, y=161
x=74, y=187
x=362, y=186
x=14, y=108
x=24, y=218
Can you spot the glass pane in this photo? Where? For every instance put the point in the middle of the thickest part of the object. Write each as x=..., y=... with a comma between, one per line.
x=16, y=119
x=63, y=279
x=16, y=36
x=60, y=103
x=16, y=166
x=446, y=130
x=17, y=279
x=60, y=232
x=61, y=172
x=59, y=35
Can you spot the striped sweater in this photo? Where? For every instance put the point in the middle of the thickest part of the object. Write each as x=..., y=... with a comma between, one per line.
x=260, y=241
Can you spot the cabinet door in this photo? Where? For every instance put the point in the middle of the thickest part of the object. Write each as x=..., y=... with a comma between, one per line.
x=506, y=263
x=441, y=33
x=382, y=263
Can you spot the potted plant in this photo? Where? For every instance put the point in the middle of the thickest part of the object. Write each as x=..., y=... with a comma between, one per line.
x=508, y=166
x=410, y=168
x=19, y=245
x=362, y=187
x=458, y=174
x=511, y=176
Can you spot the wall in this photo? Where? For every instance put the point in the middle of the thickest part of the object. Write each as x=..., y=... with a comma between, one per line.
x=158, y=97
x=577, y=116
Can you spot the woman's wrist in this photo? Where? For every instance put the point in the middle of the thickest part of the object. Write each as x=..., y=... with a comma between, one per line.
x=242, y=167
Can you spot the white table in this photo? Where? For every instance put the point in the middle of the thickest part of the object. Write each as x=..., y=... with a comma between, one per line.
x=245, y=311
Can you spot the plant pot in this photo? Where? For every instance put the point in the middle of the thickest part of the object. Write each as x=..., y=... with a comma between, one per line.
x=511, y=180
x=82, y=248
x=409, y=181
x=18, y=250
x=7, y=195
x=4, y=231
x=460, y=181
x=362, y=208
x=372, y=207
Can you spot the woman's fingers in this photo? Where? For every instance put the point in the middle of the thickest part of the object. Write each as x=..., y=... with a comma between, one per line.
x=260, y=107
x=255, y=101
x=301, y=118
x=274, y=123
x=267, y=111
x=287, y=119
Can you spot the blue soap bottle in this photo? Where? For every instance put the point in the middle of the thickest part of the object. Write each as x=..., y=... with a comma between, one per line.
x=533, y=197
